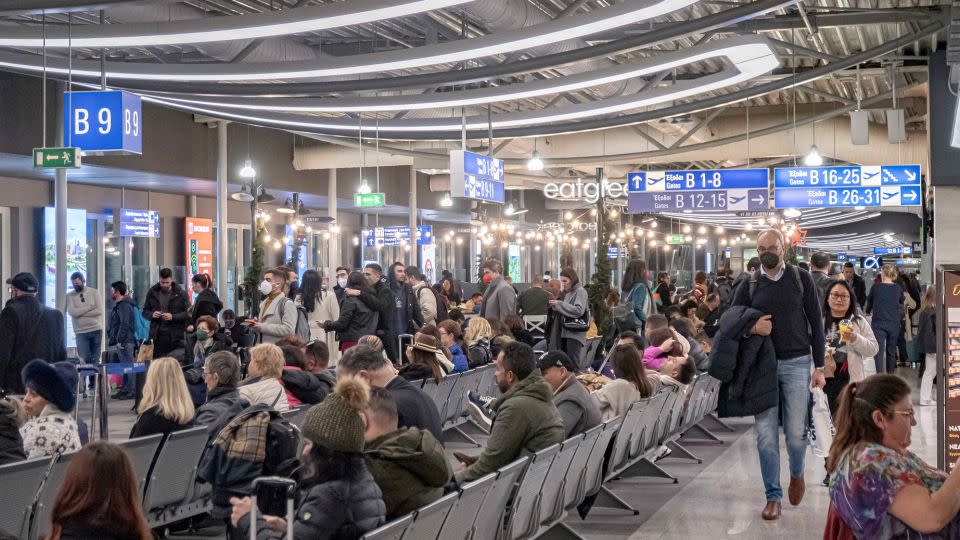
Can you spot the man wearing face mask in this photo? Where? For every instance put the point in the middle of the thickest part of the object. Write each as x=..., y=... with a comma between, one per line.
x=341, y=285
x=384, y=303
x=278, y=314
x=789, y=299
x=499, y=300
x=86, y=310
x=166, y=308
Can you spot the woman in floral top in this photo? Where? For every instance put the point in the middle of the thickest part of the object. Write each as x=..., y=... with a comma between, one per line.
x=878, y=488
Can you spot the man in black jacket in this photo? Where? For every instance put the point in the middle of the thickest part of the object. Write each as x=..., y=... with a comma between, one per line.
x=28, y=330
x=793, y=319
x=414, y=407
x=856, y=282
x=407, y=317
x=341, y=285
x=383, y=302
x=166, y=309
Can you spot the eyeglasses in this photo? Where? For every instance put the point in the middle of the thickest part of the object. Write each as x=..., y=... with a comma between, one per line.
x=909, y=412
x=836, y=296
x=81, y=298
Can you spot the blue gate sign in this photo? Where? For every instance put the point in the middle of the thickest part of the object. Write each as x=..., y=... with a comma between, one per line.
x=476, y=176
x=396, y=236
x=698, y=180
x=849, y=185
x=714, y=200
x=139, y=223
x=907, y=250
x=887, y=195
x=103, y=122
x=841, y=257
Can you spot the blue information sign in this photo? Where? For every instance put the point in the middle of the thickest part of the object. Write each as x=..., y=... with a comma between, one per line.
x=841, y=257
x=868, y=185
x=140, y=223
x=395, y=236
x=103, y=122
x=476, y=176
x=698, y=191
x=893, y=251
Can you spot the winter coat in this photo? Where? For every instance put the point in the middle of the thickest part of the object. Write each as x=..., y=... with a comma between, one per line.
x=176, y=306
x=479, y=353
x=459, y=359
x=11, y=443
x=267, y=391
x=123, y=322
x=28, y=330
x=219, y=400
x=745, y=363
x=356, y=320
x=526, y=422
x=51, y=432
x=410, y=467
x=577, y=408
x=615, y=397
x=277, y=319
x=572, y=305
x=199, y=353
x=206, y=302
x=325, y=308
x=409, y=319
x=414, y=407
x=427, y=302
x=152, y=421
x=860, y=353
x=927, y=334
x=383, y=303
x=499, y=300
x=86, y=314
x=416, y=372
x=336, y=510
x=304, y=387
x=497, y=344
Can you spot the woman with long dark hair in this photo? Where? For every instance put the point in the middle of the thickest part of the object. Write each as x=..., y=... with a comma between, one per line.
x=636, y=290
x=879, y=488
x=422, y=358
x=320, y=306
x=98, y=498
x=631, y=384
x=356, y=319
x=569, y=316
x=851, y=344
x=451, y=290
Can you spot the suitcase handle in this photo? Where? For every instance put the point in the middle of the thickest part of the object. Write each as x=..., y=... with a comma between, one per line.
x=291, y=487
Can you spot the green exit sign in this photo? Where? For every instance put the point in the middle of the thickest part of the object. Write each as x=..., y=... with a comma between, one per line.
x=368, y=200
x=675, y=239
x=56, y=158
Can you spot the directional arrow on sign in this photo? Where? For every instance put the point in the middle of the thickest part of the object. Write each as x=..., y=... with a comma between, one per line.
x=758, y=199
x=911, y=195
x=910, y=175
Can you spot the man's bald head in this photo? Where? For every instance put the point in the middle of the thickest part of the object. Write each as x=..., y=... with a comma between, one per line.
x=770, y=236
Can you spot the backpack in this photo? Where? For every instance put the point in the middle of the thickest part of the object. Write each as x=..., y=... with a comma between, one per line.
x=789, y=269
x=141, y=328
x=302, y=328
x=281, y=458
x=442, y=313
x=725, y=291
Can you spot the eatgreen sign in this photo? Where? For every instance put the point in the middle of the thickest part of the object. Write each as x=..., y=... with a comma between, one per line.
x=56, y=158
x=368, y=200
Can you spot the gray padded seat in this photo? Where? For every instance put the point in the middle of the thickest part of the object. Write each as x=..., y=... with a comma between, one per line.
x=391, y=531
x=174, y=473
x=552, y=493
x=593, y=475
x=463, y=514
x=443, y=392
x=631, y=431
x=489, y=519
x=141, y=451
x=40, y=525
x=523, y=519
x=428, y=520
x=576, y=476
x=20, y=481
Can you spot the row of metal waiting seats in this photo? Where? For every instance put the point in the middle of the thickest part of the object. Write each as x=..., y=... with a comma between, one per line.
x=531, y=497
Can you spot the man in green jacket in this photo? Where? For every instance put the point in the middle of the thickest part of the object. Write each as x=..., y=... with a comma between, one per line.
x=408, y=464
x=526, y=419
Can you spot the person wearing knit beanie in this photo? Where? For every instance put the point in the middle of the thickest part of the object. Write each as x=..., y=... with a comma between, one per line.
x=335, y=423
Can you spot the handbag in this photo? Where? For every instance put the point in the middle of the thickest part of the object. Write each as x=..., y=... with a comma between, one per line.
x=145, y=353
x=577, y=324
x=821, y=436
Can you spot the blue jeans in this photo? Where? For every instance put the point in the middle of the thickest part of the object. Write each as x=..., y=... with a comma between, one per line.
x=125, y=354
x=887, y=335
x=793, y=376
x=88, y=347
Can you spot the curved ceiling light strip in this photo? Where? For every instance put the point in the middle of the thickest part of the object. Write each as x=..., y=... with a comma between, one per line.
x=629, y=12
x=211, y=29
x=749, y=61
x=737, y=49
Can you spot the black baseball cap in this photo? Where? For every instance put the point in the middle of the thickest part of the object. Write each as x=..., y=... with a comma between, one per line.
x=24, y=281
x=556, y=359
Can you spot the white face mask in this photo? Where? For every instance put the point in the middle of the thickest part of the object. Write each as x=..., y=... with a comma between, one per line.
x=342, y=282
x=266, y=287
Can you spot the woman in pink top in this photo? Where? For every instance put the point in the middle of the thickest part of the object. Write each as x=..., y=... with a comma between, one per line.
x=662, y=345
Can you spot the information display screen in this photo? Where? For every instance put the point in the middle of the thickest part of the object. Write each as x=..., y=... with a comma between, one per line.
x=846, y=186
x=396, y=236
x=718, y=190
x=139, y=223
x=476, y=176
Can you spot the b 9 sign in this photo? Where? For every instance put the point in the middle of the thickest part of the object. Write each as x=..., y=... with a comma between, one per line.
x=103, y=122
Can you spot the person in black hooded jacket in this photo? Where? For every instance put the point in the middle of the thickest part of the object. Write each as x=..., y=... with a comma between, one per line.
x=12, y=417
x=745, y=363
x=305, y=386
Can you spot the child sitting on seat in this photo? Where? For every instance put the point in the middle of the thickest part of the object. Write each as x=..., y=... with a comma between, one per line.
x=662, y=345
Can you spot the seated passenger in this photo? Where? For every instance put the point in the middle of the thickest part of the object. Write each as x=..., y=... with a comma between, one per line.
x=630, y=385
x=344, y=500
x=451, y=336
x=444, y=356
x=49, y=402
x=526, y=418
x=477, y=336
x=662, y=345
x=263, y=383
x=12, y=416
x=519, y=330
x=678, y=371
x=221, y=373
x=578, y=410
x=422, y=360
x=166, y=405
x=414, y=407
x=209, y=340
x=683, y=328
x=316, y=360
x=99, y=498
x=878, y=487
x=301, y=386
x=408, y=463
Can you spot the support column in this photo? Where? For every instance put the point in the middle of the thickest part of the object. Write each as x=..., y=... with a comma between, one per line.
x=192, y=205
x=60, y=218
x=222, y=250
x=334, y=246
x=413, y=217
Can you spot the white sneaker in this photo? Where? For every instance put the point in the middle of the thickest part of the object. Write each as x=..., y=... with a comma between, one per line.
x=927, y=402
x=480, y=417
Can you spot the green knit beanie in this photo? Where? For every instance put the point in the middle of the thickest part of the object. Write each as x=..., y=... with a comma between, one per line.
x=335, y=422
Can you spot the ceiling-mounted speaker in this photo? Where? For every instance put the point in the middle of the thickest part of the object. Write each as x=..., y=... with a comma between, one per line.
x=896, y=126
x=860, y=127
